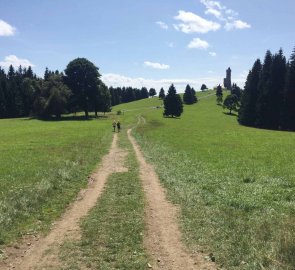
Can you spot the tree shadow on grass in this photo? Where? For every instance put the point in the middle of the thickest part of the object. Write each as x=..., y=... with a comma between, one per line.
x=170, y=117
x=69, y=118
x=230, y=114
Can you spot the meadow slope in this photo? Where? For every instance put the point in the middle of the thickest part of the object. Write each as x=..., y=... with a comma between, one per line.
x=234, y=184
x=44, y=164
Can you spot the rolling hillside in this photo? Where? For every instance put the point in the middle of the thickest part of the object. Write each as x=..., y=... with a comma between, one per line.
x=235, y=185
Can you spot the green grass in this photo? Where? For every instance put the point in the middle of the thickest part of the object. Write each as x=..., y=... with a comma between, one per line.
x=234, y=184
x=112, y=233
x=43, y=166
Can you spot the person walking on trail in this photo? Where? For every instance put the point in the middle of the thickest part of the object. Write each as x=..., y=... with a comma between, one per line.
x=118, y=126
x=114, y=125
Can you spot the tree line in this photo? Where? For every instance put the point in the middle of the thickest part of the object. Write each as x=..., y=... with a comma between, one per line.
x=268, y=99
x=127, y=94
x=22, y=93
x=78, y=88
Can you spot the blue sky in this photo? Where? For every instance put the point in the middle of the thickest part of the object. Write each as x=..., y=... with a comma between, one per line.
x=147, y=42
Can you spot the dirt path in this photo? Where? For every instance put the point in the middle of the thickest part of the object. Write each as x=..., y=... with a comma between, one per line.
x=163, y=239
x=44, y=254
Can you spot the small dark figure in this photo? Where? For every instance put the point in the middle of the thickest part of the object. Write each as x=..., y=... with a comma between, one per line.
x=118, y=126
x=114, y=125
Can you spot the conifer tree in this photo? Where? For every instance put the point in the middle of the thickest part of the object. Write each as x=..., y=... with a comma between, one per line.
x=172, y=103
x=236, y=90
x=263, y=90
x=219, y=94
x=46, y=74
x=144, y=92
x=195, y=99
x=247, y=112
x=189, y=96
x=289, y=95
x=276, y=91
x=162, y=93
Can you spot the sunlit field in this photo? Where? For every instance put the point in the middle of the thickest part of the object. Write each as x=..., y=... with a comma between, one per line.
x=235, y=185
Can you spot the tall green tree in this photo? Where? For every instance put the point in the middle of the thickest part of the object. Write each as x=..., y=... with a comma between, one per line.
x=231, y=103
x=152, y=92
x=189, y=96
x=236, y=90
x=204, y=87
x=247, y=113
x=263, y=91
x=82, y=77
x=162, y=93
x=52, y=97
x=102, y=100
x=289, y=95
x=219, y=95
x=144, y=92
x=172, y=103
x=276, y=91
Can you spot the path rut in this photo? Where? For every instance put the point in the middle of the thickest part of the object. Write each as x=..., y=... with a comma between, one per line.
x=45, y=252
x=163, y=239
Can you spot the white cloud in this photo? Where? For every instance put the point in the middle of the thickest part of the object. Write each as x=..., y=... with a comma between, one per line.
x=224, y=14
x=15, y=61
x=214, y=12
x=156, y=65
x=117, y=80
x=197, y=43
x=213, y=53
x=192, y=23
x=162, y=25
x=6, y=29
x=238, y=24
x=212, y=4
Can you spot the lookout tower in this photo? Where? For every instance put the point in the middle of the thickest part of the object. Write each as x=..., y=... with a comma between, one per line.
x=227, y=80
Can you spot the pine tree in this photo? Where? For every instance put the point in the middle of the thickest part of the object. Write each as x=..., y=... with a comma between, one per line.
x=144, y=92
x=2, y=94
x=289, y=95
x=247, y=112
x=189, y=96
x=172, y=103
x=219, y=94
x=276, y=91
x=195, y=99
x=46, y=74
x=29, y=73
x=162, y=94
x=236, y=90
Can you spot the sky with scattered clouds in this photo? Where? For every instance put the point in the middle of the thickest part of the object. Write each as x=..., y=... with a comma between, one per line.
x=149, y=43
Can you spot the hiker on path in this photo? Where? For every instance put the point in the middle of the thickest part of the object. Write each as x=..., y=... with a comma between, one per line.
x=118, y=125
x=114, y=125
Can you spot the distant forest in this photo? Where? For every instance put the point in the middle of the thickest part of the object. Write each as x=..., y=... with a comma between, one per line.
x=78, y=88
x=22, y=93
x=268, y=99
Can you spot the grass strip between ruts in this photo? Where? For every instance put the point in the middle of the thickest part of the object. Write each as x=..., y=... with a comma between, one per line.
x=112, y=233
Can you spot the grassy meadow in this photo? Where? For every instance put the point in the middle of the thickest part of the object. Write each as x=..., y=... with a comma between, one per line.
x=43, y=166
x=234, y=184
